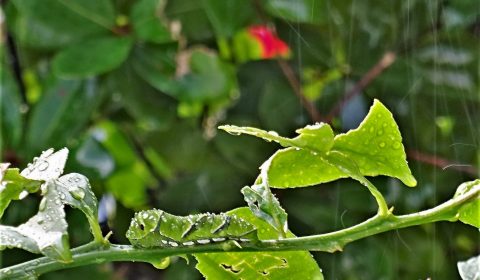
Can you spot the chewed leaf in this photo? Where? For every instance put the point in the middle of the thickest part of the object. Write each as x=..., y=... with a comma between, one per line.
x=48, y=166
x=46, y=231
x=13, y=186
x=316, y=138
x=265, y=206
x=470, y=213
x=469, y=269
x=258, y=265
x=376, y=146
x=75, y=191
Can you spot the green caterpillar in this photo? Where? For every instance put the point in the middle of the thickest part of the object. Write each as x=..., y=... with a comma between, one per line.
x=157, y=228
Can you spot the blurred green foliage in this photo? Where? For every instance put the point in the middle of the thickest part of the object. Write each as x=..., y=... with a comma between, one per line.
x=136, y=90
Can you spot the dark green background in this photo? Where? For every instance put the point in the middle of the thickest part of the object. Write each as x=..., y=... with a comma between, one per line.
x=98, y=76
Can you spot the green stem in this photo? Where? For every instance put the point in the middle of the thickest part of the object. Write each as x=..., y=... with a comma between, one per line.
x=94, y=252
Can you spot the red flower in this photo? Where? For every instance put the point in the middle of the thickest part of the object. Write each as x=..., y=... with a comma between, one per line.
x=271, y=45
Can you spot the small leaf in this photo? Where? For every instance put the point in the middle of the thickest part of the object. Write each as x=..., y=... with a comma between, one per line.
x=265, y=206
x=92, y=57
x=316, y=138
x=469, y=269
x=48, y=166
x=258, y=265
x=470, y=213
x=148, y=21
x=13, y=186
x=74, y=190
x=376, y=146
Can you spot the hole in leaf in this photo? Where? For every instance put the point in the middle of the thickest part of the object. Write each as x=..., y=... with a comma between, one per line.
x=230, y=268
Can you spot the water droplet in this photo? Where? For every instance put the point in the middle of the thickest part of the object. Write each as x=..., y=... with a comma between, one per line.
x=42, y=205
x=382, y=144
x=380, y=132
x=78, y=194
x=397, y=145
x=22, y=195
x=77, y=179
x=58, y=202
x=62, y=196
x=371, y=129
x=384, y=124
x=43, y=166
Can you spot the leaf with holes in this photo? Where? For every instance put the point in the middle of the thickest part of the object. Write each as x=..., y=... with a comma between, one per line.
x=469, y=213
x=258, y=265
x=13, y=186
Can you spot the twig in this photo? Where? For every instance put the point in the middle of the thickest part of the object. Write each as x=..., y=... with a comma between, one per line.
x=442, y=162
x=387, y=59
x=14, y=61
x=297, y=89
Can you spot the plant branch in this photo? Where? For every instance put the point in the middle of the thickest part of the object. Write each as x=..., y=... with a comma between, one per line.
x=442, y=163
x=94, y=252
x=297, y=89
x=386, y=61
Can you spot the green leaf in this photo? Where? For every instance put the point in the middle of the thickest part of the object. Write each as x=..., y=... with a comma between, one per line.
x=93, y=57
x=52, y=122
x=470, y=213
x=315, y=157
x=227, y=17
x=46, y=232
x=265, y=206
x=376, y=146
x=309, y=11
x=10, y=106
x=13, y=186
x=49, y=166
x=63, y=21
x=289, y=168
x=148, y=21
x=316, y=138
x=208, y=79
x=469, y=269
x=258, y=265
x=74, y=190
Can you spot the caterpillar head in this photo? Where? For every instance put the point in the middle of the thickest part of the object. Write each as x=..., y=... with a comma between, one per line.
x=143, y=225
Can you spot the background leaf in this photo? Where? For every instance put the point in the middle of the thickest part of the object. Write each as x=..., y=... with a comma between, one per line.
x=92, y=57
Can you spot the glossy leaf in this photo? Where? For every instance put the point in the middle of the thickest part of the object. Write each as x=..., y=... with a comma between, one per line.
x=149, y=22
x=470, y=269
x=469, y=213
x=315, y=138
x=48, y=166
x=376, y=146
x=92, y=57
x=13, y=186
x=257, y=265
x=75, y=190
